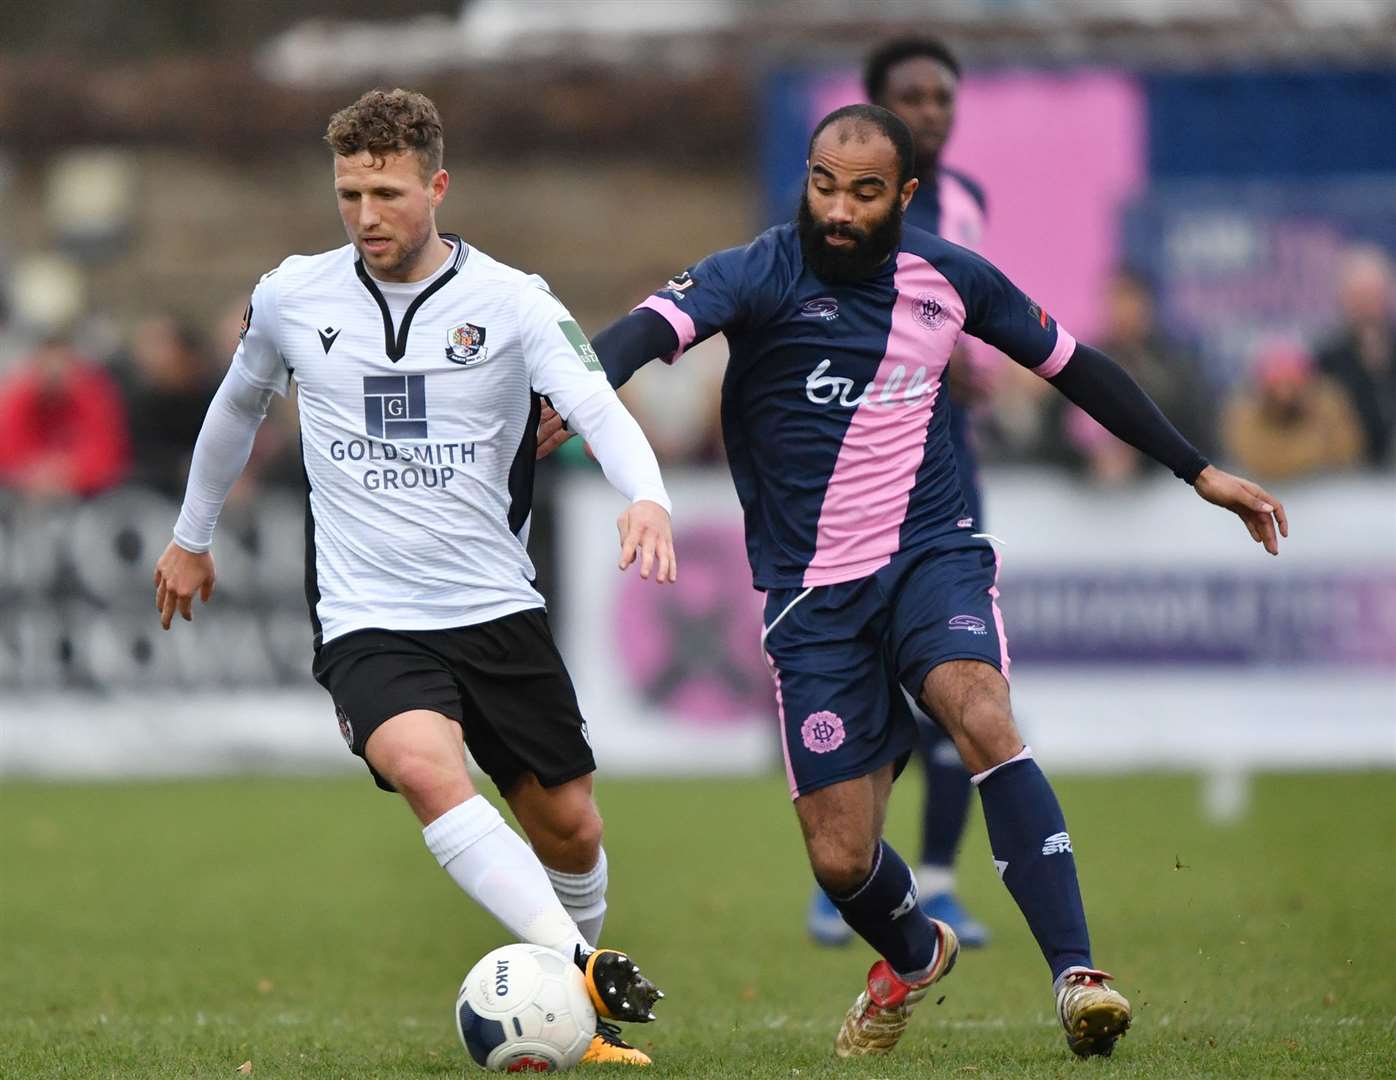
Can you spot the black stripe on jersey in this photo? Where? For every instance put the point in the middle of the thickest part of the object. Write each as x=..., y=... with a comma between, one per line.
x=521, y=471
x=312, y=581
x=395, y=343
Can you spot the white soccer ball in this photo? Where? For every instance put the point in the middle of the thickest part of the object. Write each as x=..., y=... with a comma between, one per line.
x=524, y=1008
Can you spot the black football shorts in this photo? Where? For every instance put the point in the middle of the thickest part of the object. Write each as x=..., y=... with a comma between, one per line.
x=503, y=681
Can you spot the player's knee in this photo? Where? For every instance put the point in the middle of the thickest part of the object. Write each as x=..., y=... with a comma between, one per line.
x=988, y=735
x=417, y=774
x=840, y=868
x=581, y=841
x=572, y=844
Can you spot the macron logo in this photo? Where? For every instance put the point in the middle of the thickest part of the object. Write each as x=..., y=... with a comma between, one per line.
x=1057, y=844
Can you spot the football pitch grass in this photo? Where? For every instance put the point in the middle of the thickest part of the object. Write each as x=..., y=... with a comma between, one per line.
x=180, y=929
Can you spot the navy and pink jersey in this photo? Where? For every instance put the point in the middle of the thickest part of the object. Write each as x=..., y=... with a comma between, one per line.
x=832, y=411
x=953, y=206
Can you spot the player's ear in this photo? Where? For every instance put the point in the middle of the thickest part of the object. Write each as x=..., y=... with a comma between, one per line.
x=440, y=181
x=908, y=190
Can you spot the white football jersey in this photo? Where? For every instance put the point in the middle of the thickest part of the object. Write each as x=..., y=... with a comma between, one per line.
x=418, y=431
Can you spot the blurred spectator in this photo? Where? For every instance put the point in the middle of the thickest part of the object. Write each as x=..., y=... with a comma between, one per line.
x=1168, y=372
x=1292, y=420
x=11, y=344
x=168, y=388
x=1360, y=355
x=62, y=426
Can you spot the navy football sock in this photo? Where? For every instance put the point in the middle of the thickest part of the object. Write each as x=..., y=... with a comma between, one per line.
x=1033, y=854
x=883, y=911
x=946, y=804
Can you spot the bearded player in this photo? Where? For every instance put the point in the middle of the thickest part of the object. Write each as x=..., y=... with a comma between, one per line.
x=918, y=79
x=840, y=326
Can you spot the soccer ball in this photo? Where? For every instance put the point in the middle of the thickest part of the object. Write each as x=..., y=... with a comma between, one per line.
x=524, y=1008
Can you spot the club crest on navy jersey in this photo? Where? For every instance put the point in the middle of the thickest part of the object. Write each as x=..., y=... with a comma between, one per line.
x=465, y=345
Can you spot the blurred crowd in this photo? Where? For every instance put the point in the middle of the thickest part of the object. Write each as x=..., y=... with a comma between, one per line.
x=77, y=424
x=1302, y=408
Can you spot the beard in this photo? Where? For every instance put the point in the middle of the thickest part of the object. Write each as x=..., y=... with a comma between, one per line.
x=409, y=252
x=860, y=260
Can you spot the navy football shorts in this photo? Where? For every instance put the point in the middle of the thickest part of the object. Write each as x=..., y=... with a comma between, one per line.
x=840, y=655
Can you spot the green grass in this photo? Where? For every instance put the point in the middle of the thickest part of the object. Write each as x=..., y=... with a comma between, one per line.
x=177, y=930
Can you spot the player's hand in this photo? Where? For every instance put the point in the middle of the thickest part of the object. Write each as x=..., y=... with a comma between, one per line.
x=552, y=433
x=645, y=533
x=1260, y=510
x=178, y=576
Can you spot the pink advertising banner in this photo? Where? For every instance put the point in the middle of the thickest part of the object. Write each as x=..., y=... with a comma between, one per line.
x=1058, y=154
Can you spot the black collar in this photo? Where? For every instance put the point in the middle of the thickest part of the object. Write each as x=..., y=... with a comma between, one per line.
x=395, y=340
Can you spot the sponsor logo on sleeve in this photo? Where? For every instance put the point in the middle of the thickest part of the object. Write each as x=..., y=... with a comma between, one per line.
x=973, y=623
x=246, y=321
x=465, y=345
x=580, y=344
x=680, y=283
x=1041, y=317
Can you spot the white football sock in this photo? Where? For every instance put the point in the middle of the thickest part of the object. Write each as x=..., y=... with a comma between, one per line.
x=933, y=880
x=501, y=873
x=584, y=897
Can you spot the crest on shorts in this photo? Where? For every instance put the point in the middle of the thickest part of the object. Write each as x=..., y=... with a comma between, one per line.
x=346, y=729
x=930, y=312
x=822, y=732
x=465, y=345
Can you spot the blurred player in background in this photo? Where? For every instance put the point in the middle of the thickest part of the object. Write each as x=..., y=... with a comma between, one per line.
x=917, y=79
x=419, y=362
x=841, y=325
